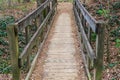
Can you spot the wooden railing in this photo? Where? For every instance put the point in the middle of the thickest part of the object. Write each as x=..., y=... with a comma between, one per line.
x=40, y=19
x=65, y=0
x=92, y=55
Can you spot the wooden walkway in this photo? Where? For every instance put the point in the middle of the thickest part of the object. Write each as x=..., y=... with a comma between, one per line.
x=62, y=61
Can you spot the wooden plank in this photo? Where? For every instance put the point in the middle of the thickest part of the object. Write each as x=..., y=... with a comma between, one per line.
x=92, y=22
x=13, y=46
x=35, y=36
x=99, y=51
x=85, y=40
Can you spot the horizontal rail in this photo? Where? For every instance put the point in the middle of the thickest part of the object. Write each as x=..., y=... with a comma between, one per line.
x=33, y=39
x=27, y=20
x=85, y=39
x=91, y=21
x=87, y=25
x=39, y=19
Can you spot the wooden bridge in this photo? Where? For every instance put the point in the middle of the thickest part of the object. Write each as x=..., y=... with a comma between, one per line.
x=60, y=42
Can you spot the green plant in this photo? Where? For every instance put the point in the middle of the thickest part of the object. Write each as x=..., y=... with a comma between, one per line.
x=102, y=12
x=3, y=42
x=4, y=56
x=111, y=65
x=93, y=37
x=5, y=21
x=113, y=20
x=116, y=33
x=116, y=5
x=5, y=68
x=3, y=33
x=1, y=52
x=117, y=43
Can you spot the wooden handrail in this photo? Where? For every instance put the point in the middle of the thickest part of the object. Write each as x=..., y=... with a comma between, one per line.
x=85, y=39
x=27, y=20
x=92, y=59
x=33, y=39
x=42, y=17
x=92, y=22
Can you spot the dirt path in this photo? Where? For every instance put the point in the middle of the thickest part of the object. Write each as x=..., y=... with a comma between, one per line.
x=61, y=59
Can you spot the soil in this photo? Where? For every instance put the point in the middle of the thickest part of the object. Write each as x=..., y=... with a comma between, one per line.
x=18, y=11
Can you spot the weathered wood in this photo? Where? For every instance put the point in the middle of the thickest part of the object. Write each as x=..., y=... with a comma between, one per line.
x=27, y=34
x=86, y=66
x=89, y=34
x=92, y=22
x=85, y=40
x=91, y=60
x=99, y=51
x=35, y=40
x=39, y=51
x=83, y=56
x=35, y=36
x=37, y=21
x=27, y=40
x=28, y=19
x=14, y=51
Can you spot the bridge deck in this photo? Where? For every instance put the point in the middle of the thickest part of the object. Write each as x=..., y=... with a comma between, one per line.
x=60, y=59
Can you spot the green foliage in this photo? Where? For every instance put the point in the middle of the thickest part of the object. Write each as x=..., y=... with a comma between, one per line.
x=93, y=37
x=4, y=67
x=1, y=52
x=4, y=56
x=3, y=33
x=113, y=79
x=116, y=5
x=21, y=39
x=3, y=42
x=112, y=65
x=102, y=12
x=5, y=21
x=113, y=20
x=3, y=24
x=117, y=43
x=116, y=32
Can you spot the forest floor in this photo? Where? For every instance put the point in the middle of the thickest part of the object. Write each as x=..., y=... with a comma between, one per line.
x=10, y=15
x=109, y=12
x=18, y=11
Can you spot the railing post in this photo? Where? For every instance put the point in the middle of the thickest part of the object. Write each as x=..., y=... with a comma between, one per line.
x=99, y=51
x=14, y=51
x=27, y=36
